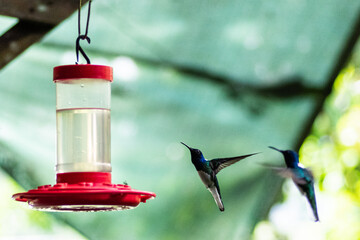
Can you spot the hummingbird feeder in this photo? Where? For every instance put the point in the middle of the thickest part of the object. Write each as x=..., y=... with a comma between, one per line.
x=83, y=169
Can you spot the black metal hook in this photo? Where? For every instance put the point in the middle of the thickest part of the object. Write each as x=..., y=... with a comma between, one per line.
x=82, y=37
x=78, y=48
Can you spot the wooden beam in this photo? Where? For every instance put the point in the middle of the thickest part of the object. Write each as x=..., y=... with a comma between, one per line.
x=37, y=18
x=19, y=38
x=45, y=11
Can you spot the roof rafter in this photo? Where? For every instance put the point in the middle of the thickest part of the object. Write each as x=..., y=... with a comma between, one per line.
x=36, y=19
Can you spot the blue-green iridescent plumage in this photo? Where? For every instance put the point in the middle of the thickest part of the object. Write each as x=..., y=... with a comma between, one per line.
x=207, y=170
x=302, y=177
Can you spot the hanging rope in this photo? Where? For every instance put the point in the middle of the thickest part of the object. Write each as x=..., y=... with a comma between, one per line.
x=82, y=36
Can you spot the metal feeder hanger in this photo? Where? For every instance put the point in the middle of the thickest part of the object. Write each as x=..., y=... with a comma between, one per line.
x=83, y=170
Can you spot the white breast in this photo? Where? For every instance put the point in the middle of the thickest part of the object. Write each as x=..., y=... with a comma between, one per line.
x=206, y=179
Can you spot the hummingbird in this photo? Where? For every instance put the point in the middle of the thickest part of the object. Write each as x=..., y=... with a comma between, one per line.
x=207, y=170
x=302, y=177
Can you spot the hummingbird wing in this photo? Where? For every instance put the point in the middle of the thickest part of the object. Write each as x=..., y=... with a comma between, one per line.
x=283, y=172
x=218, y=164
x=299, y=177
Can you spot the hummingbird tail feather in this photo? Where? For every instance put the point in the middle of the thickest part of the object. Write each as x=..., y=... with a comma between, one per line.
x=314, y=209
x=312, y=201
x=217, y=198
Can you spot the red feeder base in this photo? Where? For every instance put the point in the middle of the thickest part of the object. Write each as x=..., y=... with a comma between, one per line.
x=72, y=194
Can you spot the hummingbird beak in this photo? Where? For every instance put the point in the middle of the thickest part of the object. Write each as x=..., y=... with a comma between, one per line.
x=276, y=149
x=186, y=145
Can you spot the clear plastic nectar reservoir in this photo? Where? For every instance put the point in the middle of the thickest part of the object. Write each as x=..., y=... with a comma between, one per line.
x=83, y=140
x=83, y=121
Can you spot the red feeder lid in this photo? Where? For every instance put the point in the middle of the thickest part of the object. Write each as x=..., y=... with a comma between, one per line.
x=66, y=72
x=84, y=196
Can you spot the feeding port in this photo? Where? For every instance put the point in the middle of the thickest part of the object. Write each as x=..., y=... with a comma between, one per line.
x=83, y=169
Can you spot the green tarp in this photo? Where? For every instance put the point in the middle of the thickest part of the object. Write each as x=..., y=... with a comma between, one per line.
x=229, y=78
